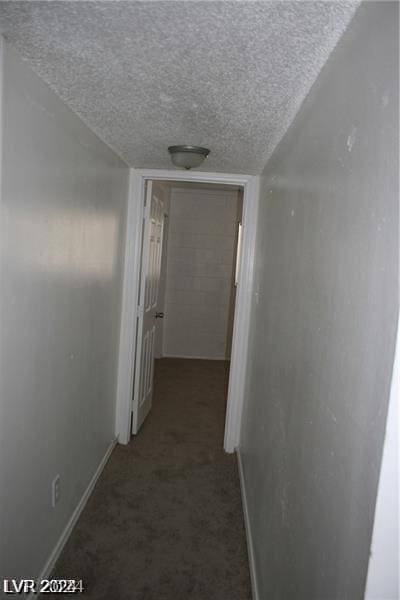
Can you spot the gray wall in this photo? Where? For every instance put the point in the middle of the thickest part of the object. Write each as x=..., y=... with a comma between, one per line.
x=383, y=570
x=63, y=205
x=324, y=323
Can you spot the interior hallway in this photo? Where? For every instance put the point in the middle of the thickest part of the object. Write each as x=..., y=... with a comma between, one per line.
x=165, y=521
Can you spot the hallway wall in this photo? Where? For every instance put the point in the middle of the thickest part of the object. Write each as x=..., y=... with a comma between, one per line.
x=199, y=296
x=324, y=324
x=63, y=206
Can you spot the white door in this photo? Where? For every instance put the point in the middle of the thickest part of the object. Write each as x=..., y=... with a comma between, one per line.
x=153, y=222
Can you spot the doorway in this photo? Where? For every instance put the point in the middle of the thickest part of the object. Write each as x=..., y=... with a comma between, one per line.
x=130, y=327
x=197, y=279
x=189, y=272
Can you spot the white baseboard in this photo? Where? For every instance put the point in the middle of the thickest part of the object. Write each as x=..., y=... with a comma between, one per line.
x=196, y=357
x=250, y=546
x=74, y=517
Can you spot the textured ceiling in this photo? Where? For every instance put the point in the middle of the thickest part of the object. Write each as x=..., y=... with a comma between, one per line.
x=228, y=75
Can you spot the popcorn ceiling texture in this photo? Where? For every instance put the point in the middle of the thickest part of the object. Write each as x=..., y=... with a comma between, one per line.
x=145, y=75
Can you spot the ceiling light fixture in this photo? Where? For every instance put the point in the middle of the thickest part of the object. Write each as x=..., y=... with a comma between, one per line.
x=187, y=157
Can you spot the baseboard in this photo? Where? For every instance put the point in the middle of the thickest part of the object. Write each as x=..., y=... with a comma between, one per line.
x=250, y=546
x=75, y=516
x=196, y=357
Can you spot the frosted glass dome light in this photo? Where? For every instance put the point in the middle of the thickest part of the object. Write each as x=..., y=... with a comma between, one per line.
x=188, y=157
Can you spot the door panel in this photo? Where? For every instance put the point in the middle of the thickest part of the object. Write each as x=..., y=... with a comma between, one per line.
x=149, y=283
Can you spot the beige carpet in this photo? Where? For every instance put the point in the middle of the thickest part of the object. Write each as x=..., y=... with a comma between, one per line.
x=165, y=521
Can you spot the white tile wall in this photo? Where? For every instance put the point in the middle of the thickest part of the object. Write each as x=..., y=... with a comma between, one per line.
x=199, y=284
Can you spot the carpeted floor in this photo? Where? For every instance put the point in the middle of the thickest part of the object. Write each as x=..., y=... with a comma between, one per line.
x=165, y=521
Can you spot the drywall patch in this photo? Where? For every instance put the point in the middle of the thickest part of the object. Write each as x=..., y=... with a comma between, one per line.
x=351, y=139
x=385, y=100
x=146, y=75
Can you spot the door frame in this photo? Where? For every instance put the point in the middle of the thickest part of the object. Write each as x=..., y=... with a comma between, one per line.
x=241, y=324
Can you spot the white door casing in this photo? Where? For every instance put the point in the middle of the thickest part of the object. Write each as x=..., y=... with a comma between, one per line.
x=153, y=221
x=244, y=295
